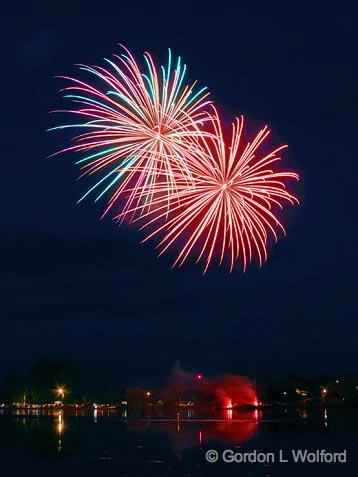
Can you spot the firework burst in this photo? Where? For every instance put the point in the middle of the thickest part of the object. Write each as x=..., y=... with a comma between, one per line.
x=137, y=125
x=229, y=210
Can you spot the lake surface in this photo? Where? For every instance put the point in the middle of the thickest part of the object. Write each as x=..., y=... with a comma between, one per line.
x=108, y=444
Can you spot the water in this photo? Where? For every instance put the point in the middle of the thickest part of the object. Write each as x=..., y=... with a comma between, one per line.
x=108, y=444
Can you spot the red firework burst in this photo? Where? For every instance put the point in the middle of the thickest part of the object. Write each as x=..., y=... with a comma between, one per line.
x=227, y=210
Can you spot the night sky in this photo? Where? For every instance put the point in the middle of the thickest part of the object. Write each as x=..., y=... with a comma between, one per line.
x=79, y=288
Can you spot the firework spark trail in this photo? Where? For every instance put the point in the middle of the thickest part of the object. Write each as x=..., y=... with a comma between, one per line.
x=137, y=125
x=229, y=206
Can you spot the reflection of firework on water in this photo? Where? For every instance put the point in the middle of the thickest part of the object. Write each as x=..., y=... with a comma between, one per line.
x=137, y=124
x=228, y=210
x=195, y=434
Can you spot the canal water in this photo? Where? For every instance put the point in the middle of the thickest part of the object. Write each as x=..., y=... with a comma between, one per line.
x=109, y=444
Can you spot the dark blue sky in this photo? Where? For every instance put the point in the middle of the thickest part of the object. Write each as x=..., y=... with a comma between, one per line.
x=79, y=288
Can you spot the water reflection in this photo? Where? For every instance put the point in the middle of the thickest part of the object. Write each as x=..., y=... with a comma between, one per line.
x=60, y=427
x=185, y=434
x=58, y=433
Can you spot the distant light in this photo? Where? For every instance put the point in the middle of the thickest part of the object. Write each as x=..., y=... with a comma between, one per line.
x=284, y=393
x=60, y=391
x=148, y=393
x=199, y=376
x=337, y=381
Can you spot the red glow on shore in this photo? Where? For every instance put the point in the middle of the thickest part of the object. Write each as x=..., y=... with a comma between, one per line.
x=234, y=391
x=227, y=391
